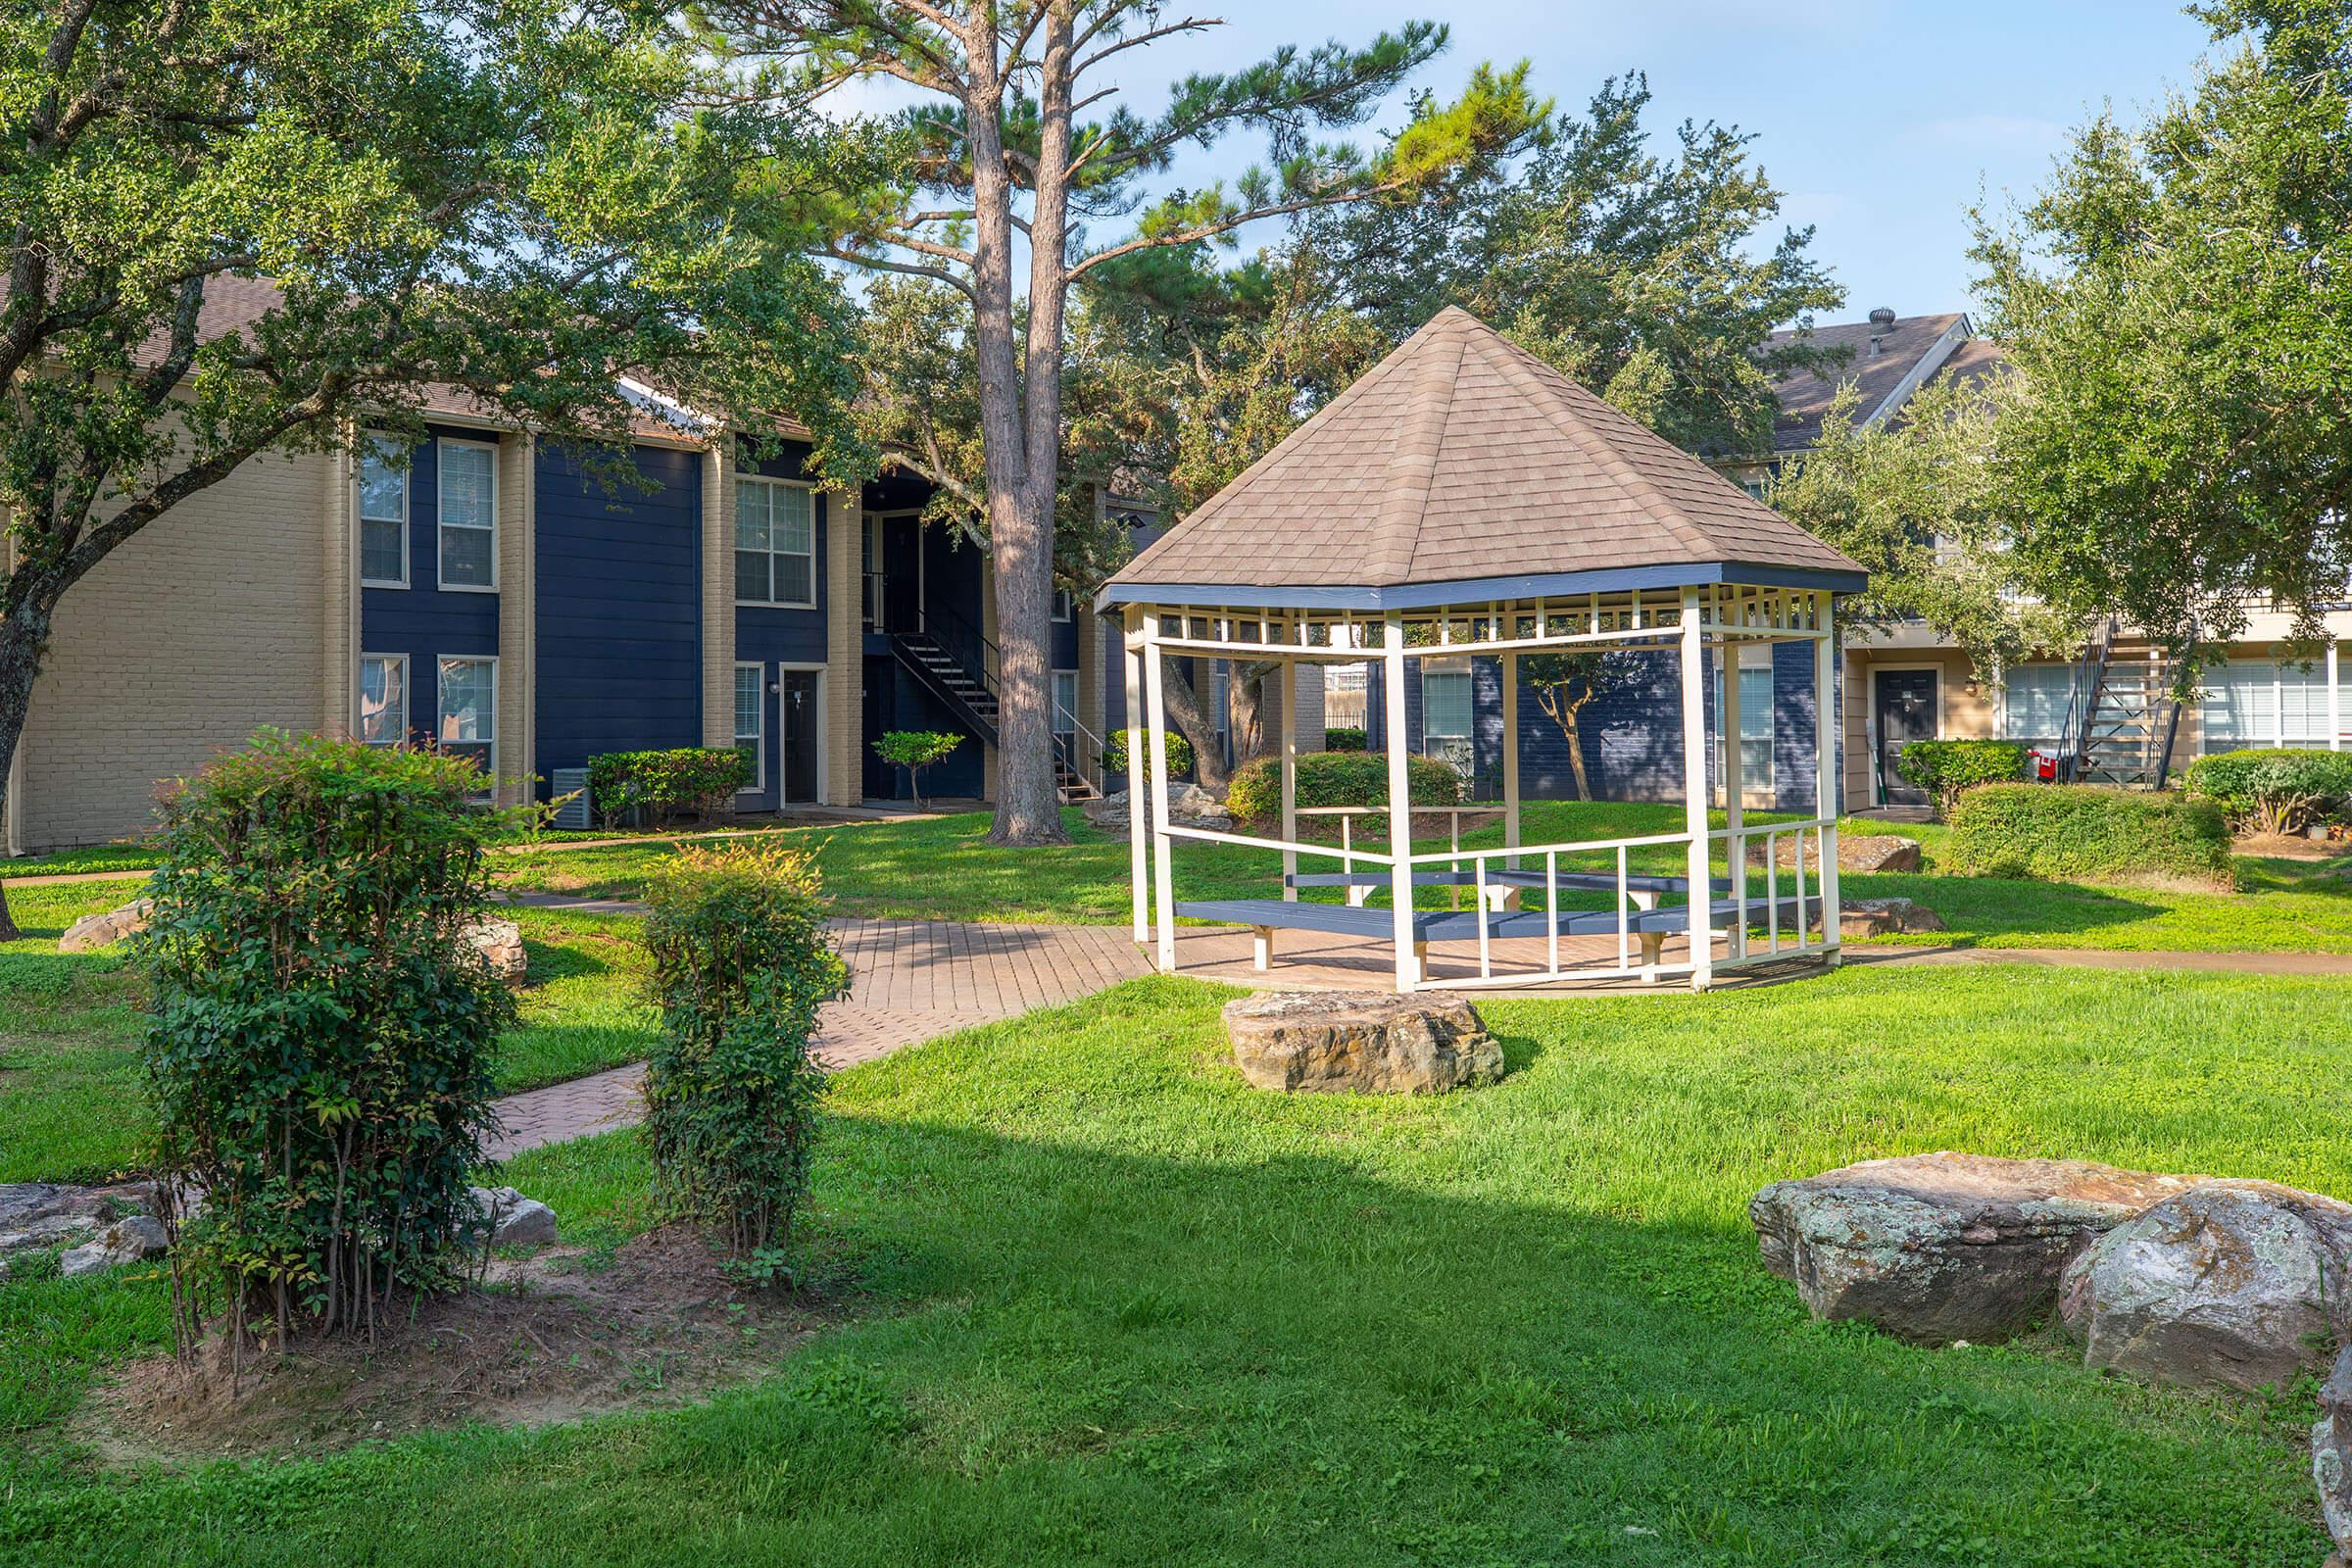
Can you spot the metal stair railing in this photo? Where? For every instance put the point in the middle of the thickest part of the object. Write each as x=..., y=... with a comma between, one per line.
x=1078, y=752
x=2083, y=702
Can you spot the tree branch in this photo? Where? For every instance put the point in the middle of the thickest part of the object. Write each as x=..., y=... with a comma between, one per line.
x=1225, y=226
x=883, y=264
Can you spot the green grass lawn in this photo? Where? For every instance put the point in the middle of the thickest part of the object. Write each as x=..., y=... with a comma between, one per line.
x=71, y=1032
x=943, y=869
x=1121, y=1309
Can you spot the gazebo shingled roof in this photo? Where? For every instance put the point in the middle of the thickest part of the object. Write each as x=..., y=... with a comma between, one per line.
x=1462, y=459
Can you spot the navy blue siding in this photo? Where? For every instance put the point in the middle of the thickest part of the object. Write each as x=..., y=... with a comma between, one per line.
x=620, y=612
x=422, y=621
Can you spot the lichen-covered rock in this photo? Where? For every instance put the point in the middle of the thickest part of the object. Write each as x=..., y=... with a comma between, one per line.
x=500, y=943
x=46, y=1213
x=127, y=1241
x=512, y=1220
x=2331, y=1455
x=94, y=931
x=1353, y=1041
x=2238, y=1282
x=1189, y=805
x=1858, y=919
x=1943, y=1246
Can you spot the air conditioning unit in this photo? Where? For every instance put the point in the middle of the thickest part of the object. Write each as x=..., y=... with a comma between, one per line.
x=572, y=782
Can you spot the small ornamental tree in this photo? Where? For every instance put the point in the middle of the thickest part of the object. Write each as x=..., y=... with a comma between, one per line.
x=916, y=750
x=742, y=961
x=1563, y=684
x=320, y=1054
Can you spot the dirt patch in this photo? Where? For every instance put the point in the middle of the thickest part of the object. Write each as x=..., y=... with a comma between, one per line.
x=554, y=1338
x=2290, y=847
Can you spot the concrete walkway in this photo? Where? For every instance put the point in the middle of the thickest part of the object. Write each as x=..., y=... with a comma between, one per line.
x=910, y=981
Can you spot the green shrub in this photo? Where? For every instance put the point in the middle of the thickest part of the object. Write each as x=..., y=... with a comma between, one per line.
x=2274, y=790
x=2083, y=832
x=652, y=787
x=1343, y=738
x=321, y=1049
x=1337, y=778
x=916, y=750
x=1947, y=769
x=1178, y=751
x=741, y=963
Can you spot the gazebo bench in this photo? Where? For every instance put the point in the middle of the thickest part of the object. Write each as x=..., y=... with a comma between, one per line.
x=1264, y=917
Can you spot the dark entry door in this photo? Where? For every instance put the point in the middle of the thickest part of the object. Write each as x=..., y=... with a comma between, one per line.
x=800, y=734
x=1907, y=713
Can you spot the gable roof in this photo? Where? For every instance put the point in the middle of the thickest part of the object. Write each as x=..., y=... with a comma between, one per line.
x=1907, y=351
x=1461, y=458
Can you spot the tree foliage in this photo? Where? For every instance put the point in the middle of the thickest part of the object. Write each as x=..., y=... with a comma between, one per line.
x=509, y=200
x=2178, y=301
x=1022, y=141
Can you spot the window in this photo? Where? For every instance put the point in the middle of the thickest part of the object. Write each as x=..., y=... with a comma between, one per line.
x=1755, y=730
x=383, y=699
x=1066, y=703
x=775, y=543
x=1061, y=605
x=2264, y=704
x=2034, y=700
x=383, y=513
x=469, y=709
x=1446, y=712
x=872, y=565
x=469, y=542
x=1221, y=700
x=751, y=722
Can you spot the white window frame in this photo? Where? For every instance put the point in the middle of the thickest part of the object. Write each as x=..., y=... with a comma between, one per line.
x=442, y=661
x=360, y=522
x=1058, y=706
x=1459, y=666
x=808, y=603
x=1065, y=607
x=759, y=783
x=358, y=722
x=441, y=522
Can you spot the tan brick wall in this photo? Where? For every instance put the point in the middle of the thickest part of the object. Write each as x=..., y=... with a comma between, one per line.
x=518, y=619
x=844, y=650
x=207, y=624
x=718, y=596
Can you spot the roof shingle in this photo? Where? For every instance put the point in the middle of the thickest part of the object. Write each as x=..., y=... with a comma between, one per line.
x=1463, y=456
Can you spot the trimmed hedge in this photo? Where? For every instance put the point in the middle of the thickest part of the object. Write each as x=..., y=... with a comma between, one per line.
x=1178, y=751
x=1343, y=738
x=2086, y=832
x=2274, y=790
x=1337, y=778
x=700, y=780
x=1947, y=769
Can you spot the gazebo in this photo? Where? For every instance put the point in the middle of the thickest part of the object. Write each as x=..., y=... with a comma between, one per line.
x=1464, y=499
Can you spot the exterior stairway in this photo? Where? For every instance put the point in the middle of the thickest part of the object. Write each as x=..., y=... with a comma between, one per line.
x=2125, y=719
x=970, y=697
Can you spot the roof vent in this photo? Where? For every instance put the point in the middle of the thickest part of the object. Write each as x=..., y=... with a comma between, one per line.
x=1881, y=320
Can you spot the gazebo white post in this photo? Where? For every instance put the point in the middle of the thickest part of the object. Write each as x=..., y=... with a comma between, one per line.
x=1735, y=783
x=1694, y=790
x=1401, y=799
x=1825, y=723
x=1155, y=760
x=1510, y=757
x=1290, y=777
x=1139, y=865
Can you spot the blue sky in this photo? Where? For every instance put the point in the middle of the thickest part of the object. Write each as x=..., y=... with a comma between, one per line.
x=1880, y=120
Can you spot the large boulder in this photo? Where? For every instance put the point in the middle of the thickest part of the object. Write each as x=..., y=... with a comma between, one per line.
x=127, y=1241
x=2332, y=1455
x=1861, y=919
x=2238, y=1282
x=1189, y=805
x=1360, y=1042
x=94, y=931
x=509, y=1219
x=500, y=943
x=35, y=1214
x=1944, y=1247
x=1858, y=853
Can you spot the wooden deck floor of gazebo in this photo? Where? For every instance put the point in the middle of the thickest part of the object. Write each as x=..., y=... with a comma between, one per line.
x=1309, y=961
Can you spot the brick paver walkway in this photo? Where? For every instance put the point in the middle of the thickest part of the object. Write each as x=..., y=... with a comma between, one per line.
x=910, y=981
